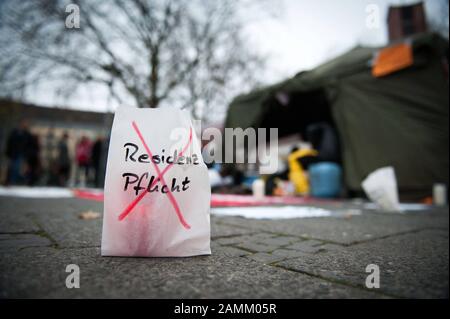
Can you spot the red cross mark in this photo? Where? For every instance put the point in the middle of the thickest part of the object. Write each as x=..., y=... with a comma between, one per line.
x=160, y=174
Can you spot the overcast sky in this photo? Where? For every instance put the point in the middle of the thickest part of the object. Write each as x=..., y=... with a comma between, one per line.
x=295, y=34
x=307, y=33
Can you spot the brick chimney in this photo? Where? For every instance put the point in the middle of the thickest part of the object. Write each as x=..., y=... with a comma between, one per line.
x=404, y=21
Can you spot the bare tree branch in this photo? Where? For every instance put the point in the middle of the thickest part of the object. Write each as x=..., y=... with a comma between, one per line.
x=191, y=54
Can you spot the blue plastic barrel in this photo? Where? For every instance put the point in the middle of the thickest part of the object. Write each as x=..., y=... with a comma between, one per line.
x=325, y=179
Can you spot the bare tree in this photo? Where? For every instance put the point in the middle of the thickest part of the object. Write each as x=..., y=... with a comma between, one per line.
x=439, y=22
x=187, y=53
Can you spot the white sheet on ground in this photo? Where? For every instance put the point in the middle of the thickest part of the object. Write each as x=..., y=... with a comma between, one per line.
x=404, y=207
x=273, y=212
x=35, y=192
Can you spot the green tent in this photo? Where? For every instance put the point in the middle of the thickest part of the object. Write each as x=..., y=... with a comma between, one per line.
x=400, y=119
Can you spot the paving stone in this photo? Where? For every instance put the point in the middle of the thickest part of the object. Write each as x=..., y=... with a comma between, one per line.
x=14, y=219
x=368, y=226
x=40, y=272
x=266, y=258
x=19, y=241
x=17, y=223
x=232, y=240
x=411, y=265
x=306, y=246
x=330, y=247
x=280, y=240
x=219, y=230
x=411, y=250
x=233, y=251
x=256, y=247
x=260, y=239
x=288, y=253
x=59, y=218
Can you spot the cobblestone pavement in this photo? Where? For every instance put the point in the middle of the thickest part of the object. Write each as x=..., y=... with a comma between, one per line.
x=322, y=257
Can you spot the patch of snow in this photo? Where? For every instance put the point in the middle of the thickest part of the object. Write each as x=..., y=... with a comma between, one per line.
x=273, y=212
x=404, y=207
x=35, y=192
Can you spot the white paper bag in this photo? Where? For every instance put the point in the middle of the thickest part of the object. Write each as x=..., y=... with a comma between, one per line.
x=381, y=188
x=157, y=193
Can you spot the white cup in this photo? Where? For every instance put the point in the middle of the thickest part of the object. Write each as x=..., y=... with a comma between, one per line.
x=381, y=188
x=439, y=195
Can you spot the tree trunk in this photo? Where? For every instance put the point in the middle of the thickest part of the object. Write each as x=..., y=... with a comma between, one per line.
x=154, y=79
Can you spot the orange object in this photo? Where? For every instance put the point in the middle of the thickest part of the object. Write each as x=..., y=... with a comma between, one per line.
x=392, y=59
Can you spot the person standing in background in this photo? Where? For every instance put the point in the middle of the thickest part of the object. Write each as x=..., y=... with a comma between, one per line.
x=96, y=156
x=33, y=160
x=16, y=152
x=83, y=158
x=63, y=160
x=49, y=158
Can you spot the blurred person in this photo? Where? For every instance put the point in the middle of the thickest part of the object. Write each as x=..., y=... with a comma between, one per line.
x=324, y=139
x=215, y=178
x=33, y=160
x=233, y=172
x=83, y=159
x=231, y=180
x=63, y=160
x=103, y=160
x=96, y=157
x=49, y=157
x=16, y=152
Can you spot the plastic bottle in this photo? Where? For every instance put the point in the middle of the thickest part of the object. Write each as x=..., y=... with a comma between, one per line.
x=258, y=188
